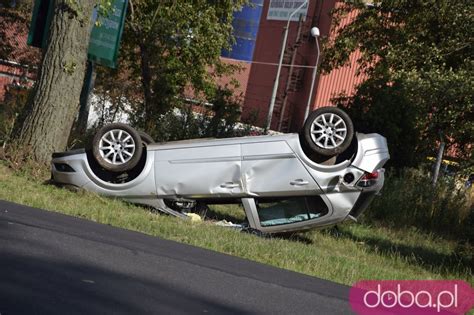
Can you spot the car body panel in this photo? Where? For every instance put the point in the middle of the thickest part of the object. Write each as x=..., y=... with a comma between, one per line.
x=182, y=171
x=373, y=152
x=141, y=187
x=261, y=163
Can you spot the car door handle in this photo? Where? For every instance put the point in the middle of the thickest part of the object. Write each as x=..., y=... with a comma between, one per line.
x=299, y=182
x=230, y=185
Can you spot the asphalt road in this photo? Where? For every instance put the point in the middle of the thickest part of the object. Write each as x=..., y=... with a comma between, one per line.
x=56, y=264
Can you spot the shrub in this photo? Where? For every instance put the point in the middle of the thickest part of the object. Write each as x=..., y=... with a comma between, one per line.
x=409, y=200
x=13, y=104
x=177, y=124
x=220, y=120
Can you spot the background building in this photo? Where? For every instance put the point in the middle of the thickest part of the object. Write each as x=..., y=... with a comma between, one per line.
x=19, y=70
x=259, y=37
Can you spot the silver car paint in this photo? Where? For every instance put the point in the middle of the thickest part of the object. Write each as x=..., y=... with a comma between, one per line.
x=246, y=167
x=198, y=171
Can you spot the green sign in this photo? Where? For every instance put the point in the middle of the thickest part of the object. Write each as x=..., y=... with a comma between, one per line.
x=105, y=37
x=40, y=21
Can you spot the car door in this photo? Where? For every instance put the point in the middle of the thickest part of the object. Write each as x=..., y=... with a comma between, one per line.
x=209, y=171
x=272, y=169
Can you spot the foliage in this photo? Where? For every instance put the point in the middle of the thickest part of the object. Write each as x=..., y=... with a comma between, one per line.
x=417, y=56
x=385, y=109
x=115, y=100
x=409, y=200
x=172, y=45
x=115, y=95
x=219, y=120
x=225, y=113
x=10, y=109
x=15, y=16
x=177, y=124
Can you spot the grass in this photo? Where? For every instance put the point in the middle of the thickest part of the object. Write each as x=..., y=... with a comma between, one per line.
x=353, y=253
x=409, y=199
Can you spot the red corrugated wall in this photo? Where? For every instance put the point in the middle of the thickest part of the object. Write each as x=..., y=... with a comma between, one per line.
x=267, y=49
x=339, y=81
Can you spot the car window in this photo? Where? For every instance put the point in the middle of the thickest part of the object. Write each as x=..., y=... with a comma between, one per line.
x=278, y=211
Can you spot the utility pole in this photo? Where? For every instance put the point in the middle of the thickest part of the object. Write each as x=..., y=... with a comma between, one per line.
x=439, y=159
x=315, y=34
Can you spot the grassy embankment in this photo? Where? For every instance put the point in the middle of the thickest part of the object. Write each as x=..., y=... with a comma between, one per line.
x=356, y=252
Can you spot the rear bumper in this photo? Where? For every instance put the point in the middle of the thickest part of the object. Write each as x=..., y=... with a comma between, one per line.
x=372, y=152
x=366, y=197
x=362, y=204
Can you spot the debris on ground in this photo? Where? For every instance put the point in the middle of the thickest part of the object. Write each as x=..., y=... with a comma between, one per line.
x=194, y=217
x=226, y=223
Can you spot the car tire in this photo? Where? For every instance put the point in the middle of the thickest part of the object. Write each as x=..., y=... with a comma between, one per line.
x=146, y=138
x=117, y=147
x=328, y=131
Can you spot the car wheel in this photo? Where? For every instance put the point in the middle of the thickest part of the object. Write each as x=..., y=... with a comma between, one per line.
x=146, y=138
x=328, y=131
x=117, y=147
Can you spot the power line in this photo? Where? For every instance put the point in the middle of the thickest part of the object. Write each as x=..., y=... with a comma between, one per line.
x=272, y=63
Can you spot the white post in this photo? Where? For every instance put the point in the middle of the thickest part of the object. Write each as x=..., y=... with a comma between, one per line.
x=439, y=159
x=277, y=80
x=315, y=34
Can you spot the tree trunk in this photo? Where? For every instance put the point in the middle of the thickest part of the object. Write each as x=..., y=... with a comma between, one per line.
x=146, y=83
x=54, y=104
x=85, y=100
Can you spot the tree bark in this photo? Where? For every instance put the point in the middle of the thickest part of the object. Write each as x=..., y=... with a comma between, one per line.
x=85, y=100
x=146, y=83
x=53, y=107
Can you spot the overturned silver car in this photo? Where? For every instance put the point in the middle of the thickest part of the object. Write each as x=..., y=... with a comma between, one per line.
x=289, y=182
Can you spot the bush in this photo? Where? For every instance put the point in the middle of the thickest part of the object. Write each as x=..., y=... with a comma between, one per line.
x=409, y=200
x=177, y=124
x=13, y=104
x=185, y=121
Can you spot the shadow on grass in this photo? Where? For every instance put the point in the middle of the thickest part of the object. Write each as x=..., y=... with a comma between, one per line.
x=454, y=263
x=211, y=214
x=294, y=237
